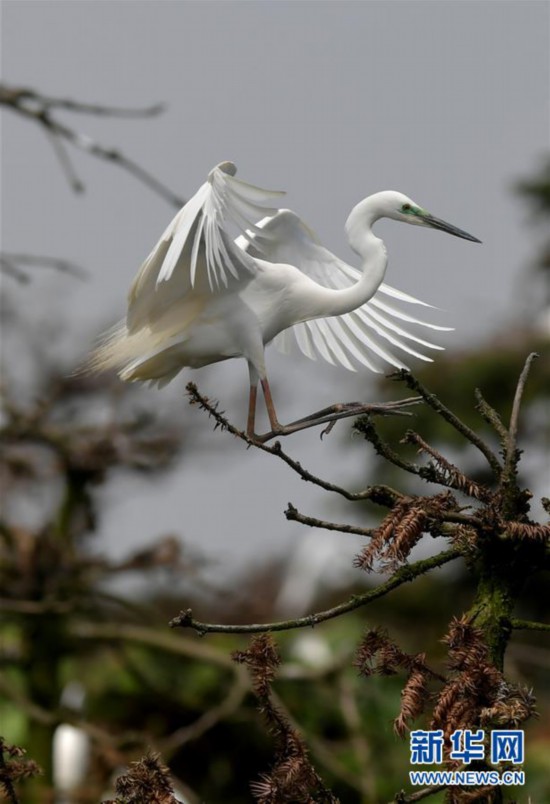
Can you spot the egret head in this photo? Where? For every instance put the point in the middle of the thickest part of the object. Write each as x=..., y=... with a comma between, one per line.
x=395, y=205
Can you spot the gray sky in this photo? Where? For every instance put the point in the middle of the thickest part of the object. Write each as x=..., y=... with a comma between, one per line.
x=445, y=101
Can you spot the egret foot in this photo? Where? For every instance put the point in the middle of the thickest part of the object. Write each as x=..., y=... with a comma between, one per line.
x=333, y=414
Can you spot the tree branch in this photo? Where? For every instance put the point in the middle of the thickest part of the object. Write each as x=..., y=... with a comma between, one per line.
x=511, y=455
x=383, y=495
x=293, y=515
x=366, y=427
x=406, y=573
x=444, y=472
x=12, y=265
x=30, y=96
x=491, y=416
x=529, y=625
x=433, y=401
x=418, y=795
x=38, y=108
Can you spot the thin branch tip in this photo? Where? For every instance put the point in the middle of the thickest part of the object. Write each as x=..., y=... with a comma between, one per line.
x=442, y=410
x=41, y=109
x=512, y=454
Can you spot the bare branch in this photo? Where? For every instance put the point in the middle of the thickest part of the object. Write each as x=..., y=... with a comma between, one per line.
x=294, y=515
x=401, y=576
x=383, y=495
x=491, y=416
x=38, y=108
x=511, y=456
x=418, y=795
x=433, y=401
x=366, y=427
x=12, y=265
x=29, y=96
x=65, y=163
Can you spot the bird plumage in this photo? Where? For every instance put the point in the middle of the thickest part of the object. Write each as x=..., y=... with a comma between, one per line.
x=201, y=297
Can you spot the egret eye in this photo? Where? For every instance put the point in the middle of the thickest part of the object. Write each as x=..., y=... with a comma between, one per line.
x=406, y=208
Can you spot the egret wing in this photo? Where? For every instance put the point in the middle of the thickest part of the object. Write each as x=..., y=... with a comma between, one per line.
x=369, y=334
x=196, y=255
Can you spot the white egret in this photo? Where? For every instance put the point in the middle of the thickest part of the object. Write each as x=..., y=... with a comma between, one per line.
x=201, y=297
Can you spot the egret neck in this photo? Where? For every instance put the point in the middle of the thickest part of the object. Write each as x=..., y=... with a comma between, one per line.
x=374, y=260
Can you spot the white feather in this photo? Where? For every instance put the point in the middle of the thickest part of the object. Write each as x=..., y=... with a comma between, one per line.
x=201, y=297
x=355, y=335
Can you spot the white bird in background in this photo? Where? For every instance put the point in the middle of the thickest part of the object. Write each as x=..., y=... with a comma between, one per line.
x=201, y=297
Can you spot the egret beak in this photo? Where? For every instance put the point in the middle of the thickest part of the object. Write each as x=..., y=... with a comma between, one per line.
x=436, y=223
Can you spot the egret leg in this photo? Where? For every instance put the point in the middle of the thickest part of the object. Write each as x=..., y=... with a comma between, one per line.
x=274, y=422
x=328, y=416
x=251, y=421
x=276, y=428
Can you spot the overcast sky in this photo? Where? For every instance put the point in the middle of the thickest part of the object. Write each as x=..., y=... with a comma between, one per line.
x=445, y=101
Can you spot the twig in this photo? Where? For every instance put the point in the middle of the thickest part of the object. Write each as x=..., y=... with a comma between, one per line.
x=401, y=576
x=85, y=143
x=12, y=264
x=491, y=416
x=511, y=456
x=367, y=428
x=418, y=795
x=24, y=96
x=65, y=162
x=12, y=270
x=383, y=495
x=38, y=108
x=294, y=515
x=432, y=400
x=529, y=625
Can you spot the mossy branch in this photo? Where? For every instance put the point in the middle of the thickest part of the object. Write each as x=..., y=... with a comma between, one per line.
x=403, y=575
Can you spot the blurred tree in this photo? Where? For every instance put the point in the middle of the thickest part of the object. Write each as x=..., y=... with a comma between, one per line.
x=537, y=191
